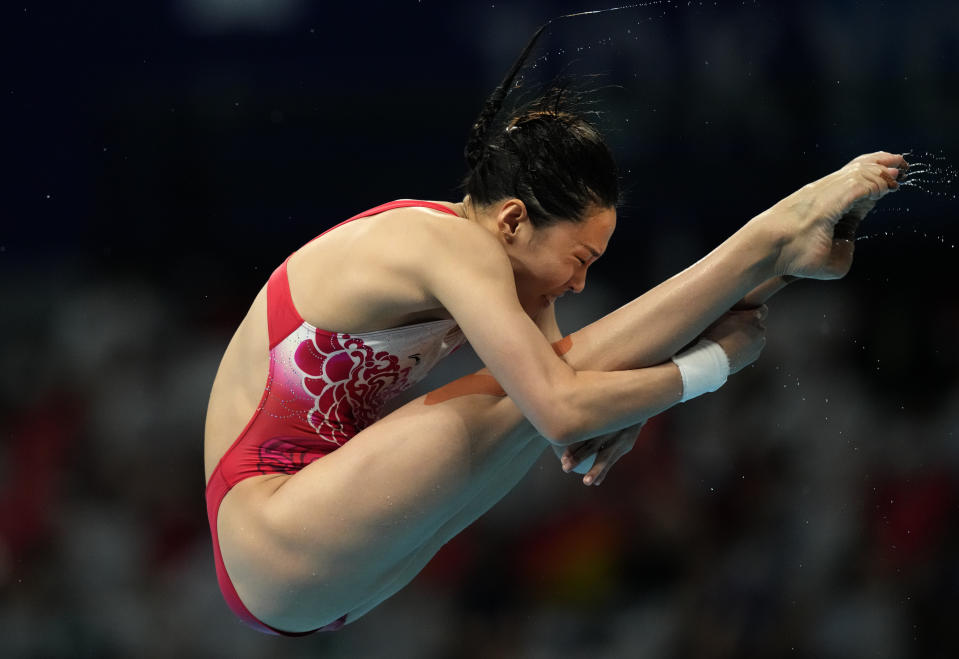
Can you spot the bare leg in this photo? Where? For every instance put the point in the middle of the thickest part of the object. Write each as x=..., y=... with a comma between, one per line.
x=483, y=499
x=349, y=530
x=655, y=326
x=303, y=550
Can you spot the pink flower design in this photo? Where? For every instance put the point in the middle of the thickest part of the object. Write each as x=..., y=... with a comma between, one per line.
x=348, y=381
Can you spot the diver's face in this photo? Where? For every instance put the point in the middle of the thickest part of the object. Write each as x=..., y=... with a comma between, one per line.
x=554, y=259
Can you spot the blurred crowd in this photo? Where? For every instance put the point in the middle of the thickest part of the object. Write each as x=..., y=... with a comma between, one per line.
x=808, y=509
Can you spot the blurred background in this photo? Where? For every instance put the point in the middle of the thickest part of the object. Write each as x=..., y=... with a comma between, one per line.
x=164, y=157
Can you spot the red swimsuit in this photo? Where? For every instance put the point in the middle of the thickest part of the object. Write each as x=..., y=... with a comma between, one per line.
x=322, y=389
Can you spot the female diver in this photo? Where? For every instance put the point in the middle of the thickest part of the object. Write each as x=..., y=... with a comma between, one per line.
x=321, y=506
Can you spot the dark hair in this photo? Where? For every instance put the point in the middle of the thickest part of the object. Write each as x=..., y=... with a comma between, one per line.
x=544, y=152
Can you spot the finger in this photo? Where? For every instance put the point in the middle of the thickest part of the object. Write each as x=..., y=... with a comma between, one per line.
x=577, y=452
x=563, y=454
x=566, y=456
x=605, y=459
x=584, y=465
x=611, y=453
x=602, y=457
x=581, y=457
x=616, y=452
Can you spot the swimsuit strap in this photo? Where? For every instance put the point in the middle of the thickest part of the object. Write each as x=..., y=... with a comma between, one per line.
x=282, y=316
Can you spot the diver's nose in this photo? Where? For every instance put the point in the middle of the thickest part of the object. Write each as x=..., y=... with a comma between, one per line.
x=578, y=282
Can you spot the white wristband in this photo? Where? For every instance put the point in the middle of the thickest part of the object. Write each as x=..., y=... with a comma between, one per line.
x=703, y=367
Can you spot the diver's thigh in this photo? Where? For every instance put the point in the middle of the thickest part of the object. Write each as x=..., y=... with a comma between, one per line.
x=395, y=480
x=482, y=498
x=336, y=531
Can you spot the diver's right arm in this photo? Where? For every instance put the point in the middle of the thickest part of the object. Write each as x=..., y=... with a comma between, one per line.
x=470, y=275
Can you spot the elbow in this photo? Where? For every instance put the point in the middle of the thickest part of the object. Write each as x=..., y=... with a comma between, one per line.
x=561, y=430
x=560, y=420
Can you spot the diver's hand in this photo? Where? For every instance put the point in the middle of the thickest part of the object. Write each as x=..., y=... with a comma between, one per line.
x=818, y=222
x=608, y=449
x=741, y=334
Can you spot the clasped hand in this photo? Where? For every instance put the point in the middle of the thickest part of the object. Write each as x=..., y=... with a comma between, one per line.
x=742, y=335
